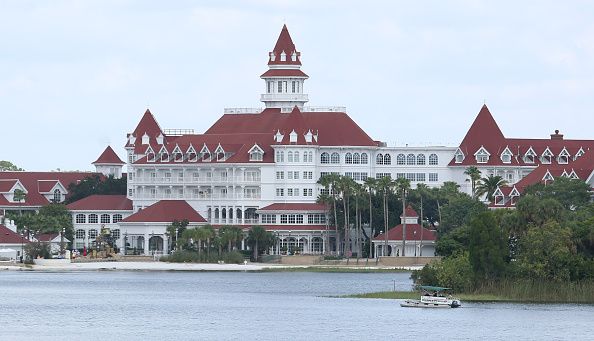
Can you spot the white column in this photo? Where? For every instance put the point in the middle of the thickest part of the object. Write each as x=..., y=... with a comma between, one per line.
x=146, y=244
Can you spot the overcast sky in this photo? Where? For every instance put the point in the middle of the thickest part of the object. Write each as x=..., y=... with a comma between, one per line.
x=76, y=76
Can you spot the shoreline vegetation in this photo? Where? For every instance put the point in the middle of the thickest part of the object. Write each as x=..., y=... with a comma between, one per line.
x=510, y=291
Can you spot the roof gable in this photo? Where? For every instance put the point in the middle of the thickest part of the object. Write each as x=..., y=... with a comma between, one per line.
x=109, y=157
x=166, y=211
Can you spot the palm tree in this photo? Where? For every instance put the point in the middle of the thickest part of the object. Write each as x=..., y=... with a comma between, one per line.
x=370, y=186
x=346, y=186
x=199, y=235
x=358, y=192
x=489, y=185
x=474, y=174
x=402, y=185
x=385, y=186
x=209, y=233
x=330, y=183
x=258, y=237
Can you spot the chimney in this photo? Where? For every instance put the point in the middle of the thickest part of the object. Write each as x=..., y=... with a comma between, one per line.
x=556, y=136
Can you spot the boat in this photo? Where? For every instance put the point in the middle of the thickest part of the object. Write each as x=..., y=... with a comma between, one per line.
x=433, y=297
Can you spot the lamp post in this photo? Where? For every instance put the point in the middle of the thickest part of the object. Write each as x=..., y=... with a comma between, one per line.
x=62, y=242
x=385, y=246
x=176, y=231
x=126, y=242
x=415, y=238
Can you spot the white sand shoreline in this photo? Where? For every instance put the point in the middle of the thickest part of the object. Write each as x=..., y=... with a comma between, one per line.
x=163, y=266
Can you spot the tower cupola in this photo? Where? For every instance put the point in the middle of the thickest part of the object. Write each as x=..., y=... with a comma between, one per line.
x=284, y=78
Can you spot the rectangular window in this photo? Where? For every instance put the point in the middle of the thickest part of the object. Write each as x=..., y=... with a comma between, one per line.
x=400, y=175
x=269, y=90
x=131, y=192
x=291, y=219
x=410, y=176
x=293, y=86
x=433, y=177
x=283, y=219
x=280, y=175
x=290, y=175
x=279, y=87
x=299, y=219
x=420, y=176
x=280, y=192
x=289, y=192
x=285, y=88
x=296, y=175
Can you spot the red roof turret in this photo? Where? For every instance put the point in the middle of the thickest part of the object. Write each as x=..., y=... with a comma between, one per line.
x=109, y=157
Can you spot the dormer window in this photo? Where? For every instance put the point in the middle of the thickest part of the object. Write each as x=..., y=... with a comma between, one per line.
x=191, y=153
x=293, y=137
x=499, y=197
x=308, y=137
x=546, y=157
x=256, y=153
x=150, y=155
x=178, y=156
x=459, y=156
x=573, y=175
x=506, y=155
x=529, y=156
x=547, y=177
x=272, y=57
x=278, y=137
x=482, y=155
x=160, y=139
x=294, y=57
x=145, y=139
x=283, y=57
x=579, y=153
x=220, y=153
x=164, y=154
x=132, y=140
x=563, y=157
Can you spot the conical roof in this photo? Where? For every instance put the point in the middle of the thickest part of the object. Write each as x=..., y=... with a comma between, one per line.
x=284, y=44
x=109, y=156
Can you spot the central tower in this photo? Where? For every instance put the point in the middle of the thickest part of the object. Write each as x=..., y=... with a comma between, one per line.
x=284, y=78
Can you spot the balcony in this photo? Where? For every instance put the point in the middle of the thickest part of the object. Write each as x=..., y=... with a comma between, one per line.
x=284, y=97
x=194, y=181
x=203, y=196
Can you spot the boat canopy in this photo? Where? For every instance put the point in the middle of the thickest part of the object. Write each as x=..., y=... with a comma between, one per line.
x=432, y=288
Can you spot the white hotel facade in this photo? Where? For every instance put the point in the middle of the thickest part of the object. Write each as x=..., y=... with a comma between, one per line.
x=261, y=166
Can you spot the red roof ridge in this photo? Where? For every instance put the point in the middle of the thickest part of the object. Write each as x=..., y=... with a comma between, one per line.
x=109, y=156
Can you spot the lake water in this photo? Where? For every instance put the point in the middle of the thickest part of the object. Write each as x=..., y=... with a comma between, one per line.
x=110, y=305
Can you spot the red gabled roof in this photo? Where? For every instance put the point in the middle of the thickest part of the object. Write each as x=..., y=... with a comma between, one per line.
x=332, y=128
x=284, y=73
x=46, y=237
x=98, y=202
x=484, y=132
x=148, y=125
x=109, y=156
x=45, y=186
x=302, y=207
x=7, y=184
x=284, y=44
x=166, y=211
x=410, y=212
x=413, y=232
x=37, y=182
x=7, y=236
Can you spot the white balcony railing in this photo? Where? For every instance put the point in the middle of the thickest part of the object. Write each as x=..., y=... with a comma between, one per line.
x=194, y=180
x=284, y=97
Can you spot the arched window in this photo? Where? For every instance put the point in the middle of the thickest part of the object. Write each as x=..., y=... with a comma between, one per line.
x=290, y=157
x=348, y=158
x=364, y=158
x=296, y=157
x=105, y=219
x=310, y=158
x=92, y=233
x=117, y=218
x=387, y=159
x=81, y=219
x=93, y=219
x=410, y=159
x=421, y=159
x=280, y=156
x=80, y=234
x=356, y=158
x=433, y=159
x=335, y=158
x=325, y=158
x=57, y=196
x=400, y=159
x=379, y=159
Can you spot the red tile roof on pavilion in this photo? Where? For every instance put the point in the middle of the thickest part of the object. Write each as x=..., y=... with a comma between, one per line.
x=284, y=73
x=7, y=236
x=410, y=212
x=166, y=211
x=109, y=157
x=413, y=232
x=284, y=44
x=98, y=202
